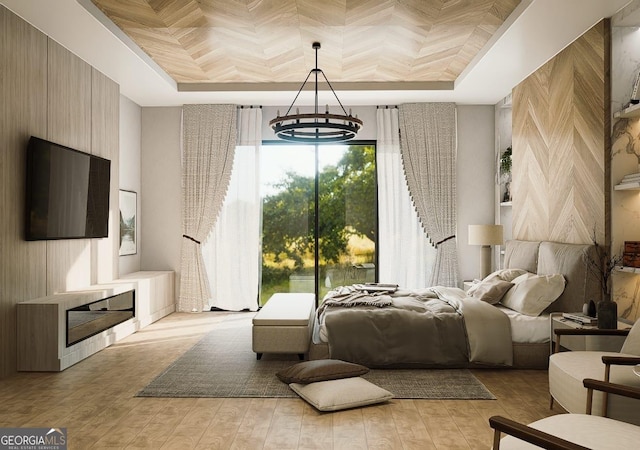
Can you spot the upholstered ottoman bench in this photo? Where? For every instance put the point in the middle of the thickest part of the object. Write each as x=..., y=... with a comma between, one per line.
x=284, y=324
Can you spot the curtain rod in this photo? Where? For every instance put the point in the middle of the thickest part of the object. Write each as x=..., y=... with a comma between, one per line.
x=249, y=106
x=387, y=106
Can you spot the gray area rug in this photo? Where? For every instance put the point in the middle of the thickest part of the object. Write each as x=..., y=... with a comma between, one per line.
x=222, y=365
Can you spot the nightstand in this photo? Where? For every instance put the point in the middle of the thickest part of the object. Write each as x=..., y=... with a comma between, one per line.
x=592, y=343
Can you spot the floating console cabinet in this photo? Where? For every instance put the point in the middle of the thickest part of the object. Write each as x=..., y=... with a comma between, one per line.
x=42, y=322
x=155, y=294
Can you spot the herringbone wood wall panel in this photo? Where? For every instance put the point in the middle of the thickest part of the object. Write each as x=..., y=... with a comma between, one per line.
x=560, y=145
x=222, y=41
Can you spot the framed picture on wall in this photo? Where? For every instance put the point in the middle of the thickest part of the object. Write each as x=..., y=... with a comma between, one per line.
x=128, y=237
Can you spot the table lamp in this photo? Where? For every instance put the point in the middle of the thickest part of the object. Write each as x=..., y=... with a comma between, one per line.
x=486, y=236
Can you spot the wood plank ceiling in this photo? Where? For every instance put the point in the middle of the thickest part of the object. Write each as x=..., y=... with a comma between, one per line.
x=269, y=41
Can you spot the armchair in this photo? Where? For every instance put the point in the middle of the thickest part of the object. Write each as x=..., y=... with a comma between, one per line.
x=571, y=431
x=568, y=369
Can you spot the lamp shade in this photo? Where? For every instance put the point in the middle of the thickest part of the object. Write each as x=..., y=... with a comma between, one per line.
x=485, y=235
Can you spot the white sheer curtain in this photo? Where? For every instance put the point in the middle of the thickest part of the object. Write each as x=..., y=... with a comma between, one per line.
x=429, y=149
x=405, y=255
x=209, y=140
x=232, y=250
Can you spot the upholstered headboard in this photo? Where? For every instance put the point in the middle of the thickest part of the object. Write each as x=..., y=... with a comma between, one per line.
x=546, y=258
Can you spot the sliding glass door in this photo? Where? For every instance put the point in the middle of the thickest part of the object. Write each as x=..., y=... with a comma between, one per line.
x=319, y=217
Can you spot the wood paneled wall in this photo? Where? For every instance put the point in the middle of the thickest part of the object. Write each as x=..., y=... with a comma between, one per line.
x=561, y=140
x=69, y=123
x=105, y=139
x=23, y=92
x=48, y=92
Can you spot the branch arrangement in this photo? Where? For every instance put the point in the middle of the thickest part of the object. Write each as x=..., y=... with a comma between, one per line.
x=602, y=266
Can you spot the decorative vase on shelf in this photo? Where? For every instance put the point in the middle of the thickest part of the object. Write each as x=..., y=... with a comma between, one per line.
x=607, y=315
x=589, y=309
x=592, y=309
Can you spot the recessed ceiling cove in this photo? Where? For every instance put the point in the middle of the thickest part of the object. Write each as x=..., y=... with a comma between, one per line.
x=269, y=41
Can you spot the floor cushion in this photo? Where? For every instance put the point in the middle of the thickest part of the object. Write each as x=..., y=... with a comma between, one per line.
x=320, y=370
x=345, y=393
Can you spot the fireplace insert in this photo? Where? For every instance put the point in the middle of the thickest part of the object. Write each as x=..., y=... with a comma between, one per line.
x=88, y=320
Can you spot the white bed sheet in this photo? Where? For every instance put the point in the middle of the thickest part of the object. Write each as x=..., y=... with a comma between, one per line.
x=319, y=332
x=527, y=329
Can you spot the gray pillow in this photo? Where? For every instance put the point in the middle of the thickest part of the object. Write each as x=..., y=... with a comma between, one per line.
x=491, y=291
x=334, y=395
x=522, y=255
x=320, y=370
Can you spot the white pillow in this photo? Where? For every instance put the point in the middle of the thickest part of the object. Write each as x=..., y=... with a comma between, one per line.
x=531, y=293
x=334, y=395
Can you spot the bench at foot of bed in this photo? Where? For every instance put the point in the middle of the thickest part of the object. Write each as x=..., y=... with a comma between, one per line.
x=284, y=324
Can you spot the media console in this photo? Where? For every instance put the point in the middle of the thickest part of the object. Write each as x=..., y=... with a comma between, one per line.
x=45, y=341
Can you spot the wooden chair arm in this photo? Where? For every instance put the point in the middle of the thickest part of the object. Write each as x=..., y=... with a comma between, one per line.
x=585, y=332
x=607, y=388
x=591, y=331
x=536, y=437
x=612, y=388
x=545, y=440
x=621, y=360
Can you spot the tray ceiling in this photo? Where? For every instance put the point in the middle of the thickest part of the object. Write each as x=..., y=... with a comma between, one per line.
x=269, y=41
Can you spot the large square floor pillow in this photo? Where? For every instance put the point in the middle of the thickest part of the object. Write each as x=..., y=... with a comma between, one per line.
x=334, y=395
x=320, y=370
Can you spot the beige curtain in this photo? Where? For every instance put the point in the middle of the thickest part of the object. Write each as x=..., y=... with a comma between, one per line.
x=428, y=145
x=398, y=226
x=209, y=140
x=235, y=281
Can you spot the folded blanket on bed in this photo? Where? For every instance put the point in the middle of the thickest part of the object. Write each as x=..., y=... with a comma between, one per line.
x=349, y=296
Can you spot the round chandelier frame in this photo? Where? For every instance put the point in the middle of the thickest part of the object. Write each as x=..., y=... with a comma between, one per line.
x=317, y=126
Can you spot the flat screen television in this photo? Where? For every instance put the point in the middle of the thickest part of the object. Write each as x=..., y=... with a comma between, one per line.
x=67, y=193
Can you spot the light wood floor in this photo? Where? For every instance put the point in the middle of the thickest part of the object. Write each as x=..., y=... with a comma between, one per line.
x=95, y=401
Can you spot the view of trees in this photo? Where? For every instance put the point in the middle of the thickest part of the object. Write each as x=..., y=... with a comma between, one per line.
x=346, y=208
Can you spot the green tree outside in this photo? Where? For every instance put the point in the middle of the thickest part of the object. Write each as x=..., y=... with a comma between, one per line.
x=347, y=209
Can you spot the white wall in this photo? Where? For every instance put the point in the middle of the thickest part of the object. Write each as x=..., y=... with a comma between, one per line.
x=476, y=171
x=161, y=180
x=130, y=132
x=161, y=189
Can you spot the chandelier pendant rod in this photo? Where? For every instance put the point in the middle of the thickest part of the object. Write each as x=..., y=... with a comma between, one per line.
x=316, y=46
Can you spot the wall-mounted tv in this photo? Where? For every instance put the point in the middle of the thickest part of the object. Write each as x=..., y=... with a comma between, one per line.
x=67, y=193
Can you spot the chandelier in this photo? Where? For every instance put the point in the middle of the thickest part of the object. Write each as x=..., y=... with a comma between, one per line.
x=316, y=126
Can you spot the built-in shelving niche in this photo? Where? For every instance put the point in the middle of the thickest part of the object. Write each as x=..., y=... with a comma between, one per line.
x=631, y=111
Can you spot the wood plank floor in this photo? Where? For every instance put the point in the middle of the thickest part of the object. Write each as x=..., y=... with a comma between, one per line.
x=95, y=401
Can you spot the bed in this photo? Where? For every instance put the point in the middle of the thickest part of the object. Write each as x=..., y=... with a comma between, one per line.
x=448, y=327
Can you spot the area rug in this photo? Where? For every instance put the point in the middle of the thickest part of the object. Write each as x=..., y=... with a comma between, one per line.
x=222, y=365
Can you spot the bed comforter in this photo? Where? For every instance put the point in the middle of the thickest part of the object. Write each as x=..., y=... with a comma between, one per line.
x=432, y=327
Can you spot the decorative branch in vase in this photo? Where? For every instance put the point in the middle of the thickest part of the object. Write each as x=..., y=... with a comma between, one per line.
x=602, y=266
